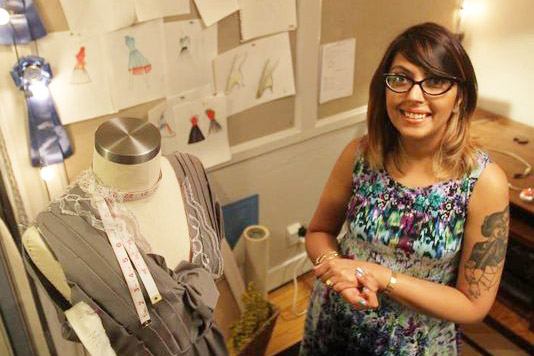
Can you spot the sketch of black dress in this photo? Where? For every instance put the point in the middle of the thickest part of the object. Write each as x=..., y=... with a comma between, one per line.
x=195, y=135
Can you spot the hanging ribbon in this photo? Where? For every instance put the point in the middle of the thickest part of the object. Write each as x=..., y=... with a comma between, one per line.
x=49, y=142
x=25, y=24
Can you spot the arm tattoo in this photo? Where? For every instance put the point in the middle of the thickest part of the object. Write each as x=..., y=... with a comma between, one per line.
x=483, y=265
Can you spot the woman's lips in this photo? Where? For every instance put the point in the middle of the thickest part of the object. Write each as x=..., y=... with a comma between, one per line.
x=414, y=117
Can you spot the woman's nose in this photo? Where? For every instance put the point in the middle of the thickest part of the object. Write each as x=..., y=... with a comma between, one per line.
x=416, y=93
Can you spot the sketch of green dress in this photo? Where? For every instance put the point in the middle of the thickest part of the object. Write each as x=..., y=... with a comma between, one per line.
x=137, y=63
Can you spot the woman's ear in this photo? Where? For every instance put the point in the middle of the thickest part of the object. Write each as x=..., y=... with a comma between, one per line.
x=456, y=108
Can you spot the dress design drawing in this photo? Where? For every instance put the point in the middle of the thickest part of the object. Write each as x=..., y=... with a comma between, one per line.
x=215, y=126
x=164, y=128
x=79, y=73
x=266, y=80
x=137, y=63
x=195, y=135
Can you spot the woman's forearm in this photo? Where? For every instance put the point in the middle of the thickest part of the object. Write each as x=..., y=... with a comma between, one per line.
x=318, y=243
x=438, y=300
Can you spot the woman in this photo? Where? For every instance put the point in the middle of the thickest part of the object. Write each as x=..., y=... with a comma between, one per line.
x=427, y=213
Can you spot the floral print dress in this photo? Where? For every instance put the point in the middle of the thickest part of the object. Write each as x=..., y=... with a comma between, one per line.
x=414, y=231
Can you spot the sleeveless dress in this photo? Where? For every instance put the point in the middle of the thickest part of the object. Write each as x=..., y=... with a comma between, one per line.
x=414, y=231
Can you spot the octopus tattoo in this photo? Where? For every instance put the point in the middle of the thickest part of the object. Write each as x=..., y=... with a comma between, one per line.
x=481, y=270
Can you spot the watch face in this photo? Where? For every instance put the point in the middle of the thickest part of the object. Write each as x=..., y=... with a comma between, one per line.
x=32, y=73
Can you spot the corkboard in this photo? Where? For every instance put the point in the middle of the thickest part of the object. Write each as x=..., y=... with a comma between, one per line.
x=250, y=124
x=374, y=24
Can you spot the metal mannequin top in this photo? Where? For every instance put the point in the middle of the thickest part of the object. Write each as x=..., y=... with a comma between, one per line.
x=127, y=140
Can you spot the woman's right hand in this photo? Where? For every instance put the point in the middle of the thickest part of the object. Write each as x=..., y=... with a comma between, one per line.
x=364, y=299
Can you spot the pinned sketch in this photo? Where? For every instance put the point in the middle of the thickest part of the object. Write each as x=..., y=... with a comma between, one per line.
x=164, y=128
x=235, y=77
x=255, y=73
x=215, y=126
x=150, y=9
x=189, y=52
x=196, y=133
x=212, y=11
x=80, y=88
x=337, y=70
x=98, y=16
x=262, y=18
x=162, y=115
x=79, y=73
x=135, y=64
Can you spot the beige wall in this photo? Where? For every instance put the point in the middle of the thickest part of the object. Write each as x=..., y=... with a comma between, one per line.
x=499, y=37
x=281, y=150
x=374, y=24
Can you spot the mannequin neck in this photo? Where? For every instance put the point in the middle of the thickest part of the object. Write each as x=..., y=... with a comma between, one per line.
x=127, y=177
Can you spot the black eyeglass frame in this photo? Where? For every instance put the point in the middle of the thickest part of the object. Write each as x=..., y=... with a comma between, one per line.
x=452, y=79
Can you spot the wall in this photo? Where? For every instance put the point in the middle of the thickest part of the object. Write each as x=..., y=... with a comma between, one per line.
x=500, y=41
x=280, y=150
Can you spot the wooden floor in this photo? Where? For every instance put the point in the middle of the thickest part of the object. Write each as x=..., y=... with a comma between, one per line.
x=289, y=328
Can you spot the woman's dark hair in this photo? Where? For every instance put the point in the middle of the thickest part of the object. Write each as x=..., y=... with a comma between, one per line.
x=438, y=52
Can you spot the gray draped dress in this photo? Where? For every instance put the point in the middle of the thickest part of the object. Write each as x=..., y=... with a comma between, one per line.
x=182, y=323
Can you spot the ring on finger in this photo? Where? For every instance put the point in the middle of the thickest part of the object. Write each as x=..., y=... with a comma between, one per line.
x=328, y=283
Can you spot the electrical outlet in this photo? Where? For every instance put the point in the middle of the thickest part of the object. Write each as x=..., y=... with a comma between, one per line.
x=292, y=233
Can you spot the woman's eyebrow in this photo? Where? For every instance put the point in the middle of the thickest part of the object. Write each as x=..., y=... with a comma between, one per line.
x=401, y=68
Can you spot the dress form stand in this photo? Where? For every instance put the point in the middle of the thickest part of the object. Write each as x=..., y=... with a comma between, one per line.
x=127, y=158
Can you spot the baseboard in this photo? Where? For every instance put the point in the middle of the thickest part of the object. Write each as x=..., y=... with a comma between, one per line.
x=283, y=273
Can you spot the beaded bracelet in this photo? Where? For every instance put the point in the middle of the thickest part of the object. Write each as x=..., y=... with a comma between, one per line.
x=328, y=255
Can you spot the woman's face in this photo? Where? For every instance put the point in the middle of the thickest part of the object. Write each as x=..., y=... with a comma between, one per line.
x=415, y=114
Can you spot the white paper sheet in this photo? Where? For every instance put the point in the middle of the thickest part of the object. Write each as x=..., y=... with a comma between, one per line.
x=210, y=146
x=165, y=108
x=189, y=52
x=255, y=73
x=79, y=86
x=135, y=64
x=261, y=17
x=98, y=16
x=212, y=11
x=150, y=9
x=337, y=70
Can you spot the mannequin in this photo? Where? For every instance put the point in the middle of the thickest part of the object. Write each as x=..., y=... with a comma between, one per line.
x=127, y=159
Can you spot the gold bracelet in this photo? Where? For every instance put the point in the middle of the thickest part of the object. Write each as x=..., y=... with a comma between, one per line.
x=328, y=255
x=391, y=284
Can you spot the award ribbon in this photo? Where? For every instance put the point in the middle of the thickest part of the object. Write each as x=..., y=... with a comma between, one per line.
x=49, y=142
x=25, y=26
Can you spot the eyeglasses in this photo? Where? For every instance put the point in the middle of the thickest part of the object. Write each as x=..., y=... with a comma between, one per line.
x=432, y=85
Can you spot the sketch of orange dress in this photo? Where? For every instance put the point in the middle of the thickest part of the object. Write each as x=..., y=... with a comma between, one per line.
x=137, y=63
x=79, y=73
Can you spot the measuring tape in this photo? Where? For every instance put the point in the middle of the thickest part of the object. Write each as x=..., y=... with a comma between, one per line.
x=126, y=251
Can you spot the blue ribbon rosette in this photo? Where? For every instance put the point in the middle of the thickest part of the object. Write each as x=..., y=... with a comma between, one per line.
x=25, y=26
x=49, y=142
